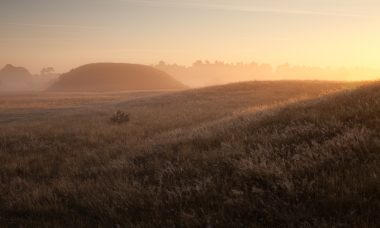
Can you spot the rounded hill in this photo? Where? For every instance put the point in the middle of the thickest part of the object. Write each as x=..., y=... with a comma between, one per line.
x=98, y=77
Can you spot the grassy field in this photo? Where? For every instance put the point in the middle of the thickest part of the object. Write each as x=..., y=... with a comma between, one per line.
x=261, y=154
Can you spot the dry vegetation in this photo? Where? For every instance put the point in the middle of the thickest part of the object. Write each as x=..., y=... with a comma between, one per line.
x=262, y=154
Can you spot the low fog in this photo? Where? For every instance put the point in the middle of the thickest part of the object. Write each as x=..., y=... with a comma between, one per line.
x=15, y=78
x=199, y=74
x=206, y=73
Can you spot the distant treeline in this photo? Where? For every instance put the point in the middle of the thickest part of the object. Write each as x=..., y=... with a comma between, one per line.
x=204, y=73
x=13, y=78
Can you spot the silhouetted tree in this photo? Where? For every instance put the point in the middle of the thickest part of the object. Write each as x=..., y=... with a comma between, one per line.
x=47, y=71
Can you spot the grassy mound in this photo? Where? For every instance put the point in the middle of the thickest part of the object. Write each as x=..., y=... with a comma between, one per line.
x=110, y=77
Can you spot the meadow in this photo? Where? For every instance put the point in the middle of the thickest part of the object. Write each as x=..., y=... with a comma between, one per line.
x=250, y=154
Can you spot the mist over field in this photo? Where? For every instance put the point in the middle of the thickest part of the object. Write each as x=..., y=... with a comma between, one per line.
x=109, y=76
x=206, y=73
x=214, y=113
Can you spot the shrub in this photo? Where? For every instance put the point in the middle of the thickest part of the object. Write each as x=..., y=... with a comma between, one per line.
x=120, y=117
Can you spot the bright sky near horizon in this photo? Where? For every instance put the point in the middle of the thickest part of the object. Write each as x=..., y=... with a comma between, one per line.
x=65, y=34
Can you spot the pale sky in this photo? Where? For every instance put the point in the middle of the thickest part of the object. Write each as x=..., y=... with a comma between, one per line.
x=66, y=34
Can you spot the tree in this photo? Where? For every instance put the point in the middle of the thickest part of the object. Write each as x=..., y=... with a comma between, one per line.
x=47, y=71
x=162, y=64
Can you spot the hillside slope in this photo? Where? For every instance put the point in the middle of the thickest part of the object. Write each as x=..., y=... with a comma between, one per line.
x=115, y=77
x=315, y=163
x=184, y=161
x=192, y=107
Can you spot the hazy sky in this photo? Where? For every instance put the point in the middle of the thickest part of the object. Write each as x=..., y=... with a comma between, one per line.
x=65, y=34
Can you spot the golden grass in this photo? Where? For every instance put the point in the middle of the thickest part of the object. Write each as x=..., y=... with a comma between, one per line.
x=245, y=154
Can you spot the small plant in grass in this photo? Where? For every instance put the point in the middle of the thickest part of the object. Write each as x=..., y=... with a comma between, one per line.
x=120, y=117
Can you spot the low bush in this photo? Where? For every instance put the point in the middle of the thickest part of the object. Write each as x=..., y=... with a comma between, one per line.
x=120, y=117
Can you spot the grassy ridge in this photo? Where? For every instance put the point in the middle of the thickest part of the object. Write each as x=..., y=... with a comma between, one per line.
x=311, y=163
x=314, y=163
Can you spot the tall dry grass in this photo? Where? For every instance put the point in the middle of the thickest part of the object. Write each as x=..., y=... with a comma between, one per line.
x=237, y=155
